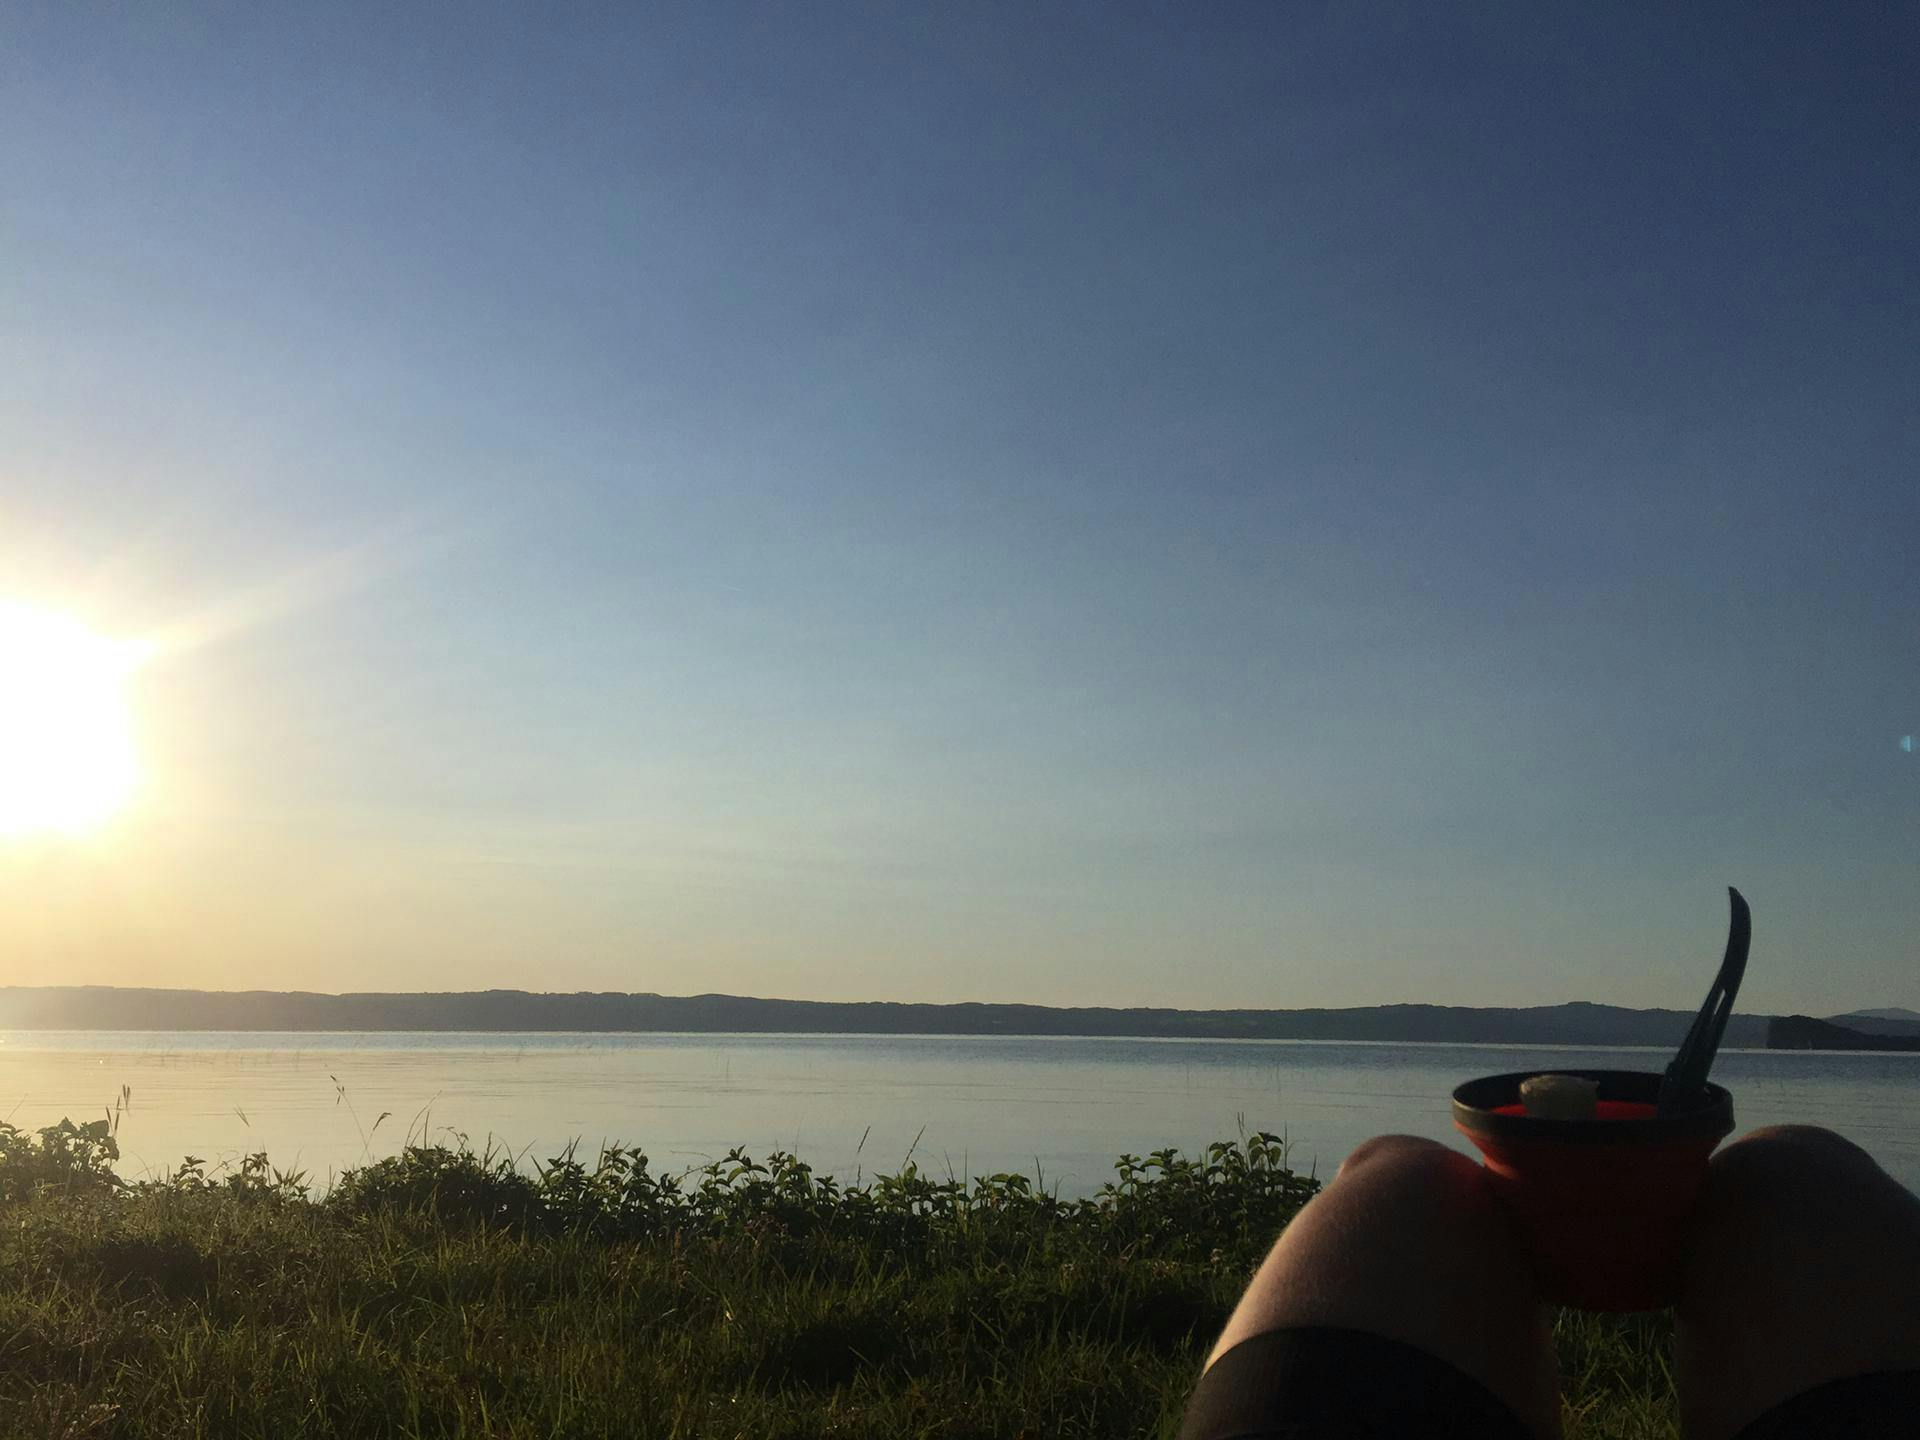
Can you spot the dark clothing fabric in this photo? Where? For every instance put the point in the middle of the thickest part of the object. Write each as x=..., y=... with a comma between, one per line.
x=1326, y=1384
x=1861, y=1407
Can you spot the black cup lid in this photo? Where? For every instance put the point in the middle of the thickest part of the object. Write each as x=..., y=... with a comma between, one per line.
x=1476, y=1102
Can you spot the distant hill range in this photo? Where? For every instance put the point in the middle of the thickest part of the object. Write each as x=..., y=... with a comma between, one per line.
x=1894, y=1021
x=1896, y=1012
x=101, y=1007
x=1801, y=1032
x=113, y=1008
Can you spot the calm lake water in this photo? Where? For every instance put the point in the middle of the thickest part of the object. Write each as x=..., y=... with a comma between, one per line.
x=847, y=1104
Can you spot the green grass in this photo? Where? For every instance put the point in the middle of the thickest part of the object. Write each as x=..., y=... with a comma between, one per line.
x=440, y=1294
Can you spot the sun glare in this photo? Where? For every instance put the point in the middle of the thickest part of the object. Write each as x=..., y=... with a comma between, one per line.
x=66, y=743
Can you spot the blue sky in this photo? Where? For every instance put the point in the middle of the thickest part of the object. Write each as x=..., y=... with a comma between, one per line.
x=1268, y=505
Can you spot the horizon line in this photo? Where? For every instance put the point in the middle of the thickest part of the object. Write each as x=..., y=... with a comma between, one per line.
x=921, y=1004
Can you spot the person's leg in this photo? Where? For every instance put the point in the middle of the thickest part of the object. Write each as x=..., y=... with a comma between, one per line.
x=1407, y=1243
x=1803, y=1267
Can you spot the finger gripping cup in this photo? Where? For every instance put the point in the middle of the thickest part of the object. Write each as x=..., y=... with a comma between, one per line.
x=1600, y=1204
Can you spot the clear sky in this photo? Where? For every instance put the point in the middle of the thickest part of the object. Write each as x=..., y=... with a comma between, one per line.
x=1228, y=504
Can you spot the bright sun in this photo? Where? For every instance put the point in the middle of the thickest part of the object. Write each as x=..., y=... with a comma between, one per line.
x=66, y=744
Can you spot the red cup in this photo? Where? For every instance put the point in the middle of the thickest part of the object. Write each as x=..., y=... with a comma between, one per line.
x=1600, y=1204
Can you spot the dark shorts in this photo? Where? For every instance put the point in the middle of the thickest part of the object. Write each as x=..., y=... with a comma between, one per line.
x=1324, y=1384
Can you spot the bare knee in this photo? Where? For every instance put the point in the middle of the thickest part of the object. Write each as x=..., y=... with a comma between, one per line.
x=1783, y=1151
x=1776, y=1188
x=1801, y=1138
x=1408, y=1242
x=1804, y=1266
x=1404, y=1221
x=1387, y=1148
x=1387, y=1160
x=1786, y=1169
x=1417, y=1187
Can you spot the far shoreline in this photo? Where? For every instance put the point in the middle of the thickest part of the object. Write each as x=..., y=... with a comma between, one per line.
x=1574, y=1025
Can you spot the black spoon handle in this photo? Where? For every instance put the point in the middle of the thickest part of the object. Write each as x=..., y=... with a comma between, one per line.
x=1687, y=1075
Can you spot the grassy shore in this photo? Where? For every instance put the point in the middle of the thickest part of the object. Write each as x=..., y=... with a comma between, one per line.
x=442, y=1293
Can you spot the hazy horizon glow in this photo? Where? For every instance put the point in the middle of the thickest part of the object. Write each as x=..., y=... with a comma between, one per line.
x=1267, y=506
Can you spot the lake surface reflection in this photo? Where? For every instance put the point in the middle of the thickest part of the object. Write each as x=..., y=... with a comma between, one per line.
x=848, y=1104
